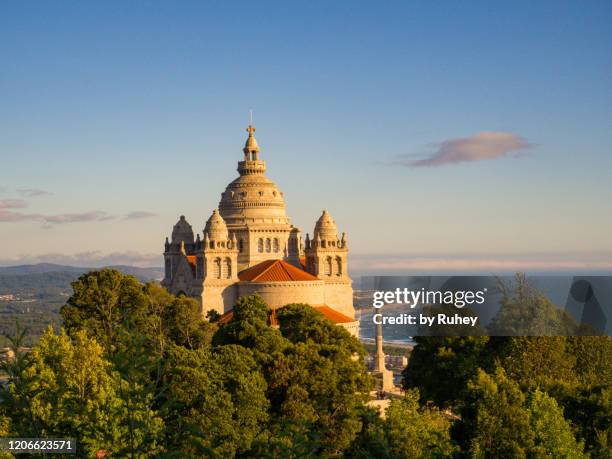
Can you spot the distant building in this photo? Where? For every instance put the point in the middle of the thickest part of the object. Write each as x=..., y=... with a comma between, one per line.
x=249, y=246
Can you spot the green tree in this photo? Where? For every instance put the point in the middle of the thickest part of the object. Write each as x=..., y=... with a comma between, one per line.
x=371, y=441
x=494, y=421
x=315, y=373
x=525, y=311
x=593, y=359
x=590, y=409
x=542, y=362
x=216, y=401
x=184, y=324
x=67, y=389
x=412, y=432
x=249, y=328
x=440, y=367
x=4, y=432
x=407, y=431
x=553, y=434
x=103, y=304
x=500, y=421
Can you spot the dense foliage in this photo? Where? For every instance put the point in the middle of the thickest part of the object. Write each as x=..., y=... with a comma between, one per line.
x=137, y=372
x=520, y=396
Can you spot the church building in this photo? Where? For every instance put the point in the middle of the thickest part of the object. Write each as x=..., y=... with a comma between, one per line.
x=249, y=246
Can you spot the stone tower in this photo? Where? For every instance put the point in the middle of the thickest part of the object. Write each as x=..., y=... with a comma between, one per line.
x=326, y=258
x=181, y=233
x=380, y=372
x=217, y=264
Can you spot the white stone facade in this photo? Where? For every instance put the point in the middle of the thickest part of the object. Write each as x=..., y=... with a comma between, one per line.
x=249, y=228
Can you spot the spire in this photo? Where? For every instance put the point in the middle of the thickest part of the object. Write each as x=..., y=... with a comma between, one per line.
x=183, y=251
x=251, y=149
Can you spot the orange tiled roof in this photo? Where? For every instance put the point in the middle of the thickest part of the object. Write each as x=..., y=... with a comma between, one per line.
x=333, y=315
x=275, y=271
x=191, y=259
x=329, y=313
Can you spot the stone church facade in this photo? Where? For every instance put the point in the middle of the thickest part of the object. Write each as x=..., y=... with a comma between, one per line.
x=249, y=245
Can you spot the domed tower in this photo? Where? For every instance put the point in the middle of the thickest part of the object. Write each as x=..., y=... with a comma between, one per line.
x=254, y=210
x=326, y=258
x=217, y=265
x=182, y=235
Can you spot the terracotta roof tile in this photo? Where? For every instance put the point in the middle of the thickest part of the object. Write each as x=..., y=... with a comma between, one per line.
x=333, y=315
x=191, y=259
x=275, y=271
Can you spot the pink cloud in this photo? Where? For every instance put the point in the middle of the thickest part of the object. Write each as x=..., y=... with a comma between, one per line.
x=78, y=217
x=138, y=214
x=11, y=216
x=479, y=147
x=12, y=204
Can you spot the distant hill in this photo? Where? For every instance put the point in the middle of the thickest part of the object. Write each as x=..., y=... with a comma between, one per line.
x=32, y=295
x=144, y=274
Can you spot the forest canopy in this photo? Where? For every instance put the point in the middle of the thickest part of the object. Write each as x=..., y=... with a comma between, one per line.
x=138, y=372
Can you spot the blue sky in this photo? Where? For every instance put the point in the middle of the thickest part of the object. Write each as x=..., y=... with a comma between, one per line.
x=121, y=107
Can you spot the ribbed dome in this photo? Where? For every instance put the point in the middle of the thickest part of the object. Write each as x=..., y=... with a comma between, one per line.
x=252, y=197
x=182, y=231
x=215, y=228
x=325, y=228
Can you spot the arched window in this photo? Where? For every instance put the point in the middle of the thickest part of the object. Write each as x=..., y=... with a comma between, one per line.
x=328, y=266
x=228, y=268
x=276, y=245
x=260, y=245
x=338, y=266
x=268, y=245
x=240, y=245
x=218, y=268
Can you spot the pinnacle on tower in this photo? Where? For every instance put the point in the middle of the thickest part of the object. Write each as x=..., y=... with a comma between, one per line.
x=251, y=149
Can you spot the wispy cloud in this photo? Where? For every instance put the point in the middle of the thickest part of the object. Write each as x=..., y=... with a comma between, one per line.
x=31, y=192
x=13, y=204
x=138, y=214
x=92, y=216
x=58, y=219
x=479, y=147
x=11, y=216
